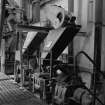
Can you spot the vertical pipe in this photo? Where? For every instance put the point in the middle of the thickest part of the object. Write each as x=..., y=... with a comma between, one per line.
x=39, y=60
x=2, y=41
x=36, y=11
x=27, y=9
x=97, y=42
x=51, y=64
x=21, y=2
x=70, y=46
x=3, y=55
x=70, y=5
x=21, y=68
x=15, y=65
x=2, y=17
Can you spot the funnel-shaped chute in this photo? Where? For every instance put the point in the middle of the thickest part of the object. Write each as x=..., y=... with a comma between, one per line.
x=57, y=40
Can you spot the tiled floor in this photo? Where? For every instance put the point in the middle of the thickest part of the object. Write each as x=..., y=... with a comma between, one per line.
x=12, y=94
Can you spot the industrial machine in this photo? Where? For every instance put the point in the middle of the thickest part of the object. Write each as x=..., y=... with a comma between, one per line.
x=58, y=82
x=63, y=88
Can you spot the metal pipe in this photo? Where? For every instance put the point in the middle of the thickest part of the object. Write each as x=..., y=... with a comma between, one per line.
x=51, y=64
x=97, y=43
x=21, y=60
x=2, y=41
x=33, y=28
x=2, y=19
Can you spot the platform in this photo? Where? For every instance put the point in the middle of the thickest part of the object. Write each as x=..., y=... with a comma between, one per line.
x=12, y=94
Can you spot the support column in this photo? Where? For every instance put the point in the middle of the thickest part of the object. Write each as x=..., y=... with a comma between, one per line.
x=98, y=32
x=2, y=41
x=97, y=43
x=21, y=59
x=17, y=58
x=70, y=46
x=2, y=17
x=3, y=55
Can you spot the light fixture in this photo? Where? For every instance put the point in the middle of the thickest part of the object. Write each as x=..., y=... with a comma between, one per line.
x=59, y=72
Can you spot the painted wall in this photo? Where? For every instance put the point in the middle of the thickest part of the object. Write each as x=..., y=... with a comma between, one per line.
x=85, y=12
x=84, y=41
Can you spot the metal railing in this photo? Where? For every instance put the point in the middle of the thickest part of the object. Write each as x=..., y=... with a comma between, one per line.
x=95, y=70
x=90, y=59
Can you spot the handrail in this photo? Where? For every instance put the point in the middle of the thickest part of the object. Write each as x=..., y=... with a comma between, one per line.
x=92, y=61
